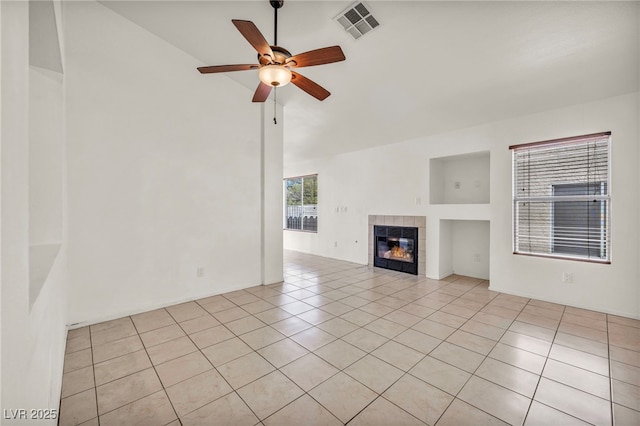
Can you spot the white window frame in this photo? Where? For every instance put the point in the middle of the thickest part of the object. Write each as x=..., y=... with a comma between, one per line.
x=518, y=199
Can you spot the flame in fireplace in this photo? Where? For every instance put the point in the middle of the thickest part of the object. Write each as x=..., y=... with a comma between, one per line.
x=398, y=251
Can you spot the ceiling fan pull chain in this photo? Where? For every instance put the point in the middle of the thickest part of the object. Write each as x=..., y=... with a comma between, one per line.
x=275, y=94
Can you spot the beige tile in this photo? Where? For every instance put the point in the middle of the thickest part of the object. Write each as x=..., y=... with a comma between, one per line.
x=532, y=330
x=127, y=389
x=382, y=412
x=119, y=331
x=518, y=357
x=625, y=417
x=296, y=307
x=572, y=401
x=386, y=328
x=197, y=391
x=151, y=320
x=598, y=324
x=272, y=315
x=309, y=371
x=377, y=309
x=440, y=374
x=586, y=332
x=229, y=315
x=122, y=366
x=483, y=330
x=626, y=394
x=624, y=336
x=78, y=408
x=631, y=322
x=338, y=327
x=78, y=343
x=154, y=409
x=290, y=326
x=354, y=301
x=365, y=339
x=282, y=352
x=315, y=316
x=343, y=396
x=186, y=311
x=547, y=305
x=472, y=342
x=245, y=369
x=215, y=304
x=459, y=311
x=437, y=330
x=262, y=337
x=257, y=307
x=543, y=311
x=457, y=356
x=578, y=378
x=94, y=422
x=340, y=353
x=582, y=344
x=540, y=321
x=420, y=399
x=374, y=373
x=580, y=359
x=229, y=410
x=399, y=355
x=527, y=343
x=77, y=381
x=624, y=355
x=625, y=373
x=543, y=415
x=78, y=332
x=302, y=411
x=418, y=341
x=584, y=312
x=502, y=403
x=313, y=338
x=269, y=394
x=336, y=308
x=171, y=350
x=106, y=325
x=226, y=351
x=358, y=317
x=77, y=360
x=508, y=376
x=185, y=367
x=116, y=348
x=198, y=324
x=161, y=335
x=447, y=319
x=244, y=325
x=211, y=336
x=241, y=297
x=460, y=413
x=494, y=320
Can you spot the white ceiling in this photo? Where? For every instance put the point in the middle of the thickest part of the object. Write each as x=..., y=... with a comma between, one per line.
x=430, y=67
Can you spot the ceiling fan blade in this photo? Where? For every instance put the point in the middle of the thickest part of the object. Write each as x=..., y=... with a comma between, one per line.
x=322, y=56
x=254, y=37
x=312, y=88
x=227, y=68
x=262, y=93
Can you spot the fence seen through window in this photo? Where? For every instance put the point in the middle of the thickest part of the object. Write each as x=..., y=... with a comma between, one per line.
x=301, y=203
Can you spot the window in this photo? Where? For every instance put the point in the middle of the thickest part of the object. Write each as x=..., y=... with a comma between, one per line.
x=301, y=203
x=561, y=198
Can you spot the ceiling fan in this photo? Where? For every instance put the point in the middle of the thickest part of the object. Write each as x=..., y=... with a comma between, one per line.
x=276, y=63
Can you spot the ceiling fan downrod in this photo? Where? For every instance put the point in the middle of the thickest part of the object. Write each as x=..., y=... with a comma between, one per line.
x=276, y=4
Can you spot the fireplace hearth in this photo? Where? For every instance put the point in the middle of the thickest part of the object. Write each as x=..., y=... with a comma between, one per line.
x=396, y=248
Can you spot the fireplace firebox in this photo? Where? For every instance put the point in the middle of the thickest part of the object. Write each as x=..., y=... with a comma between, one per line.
x=396, y=248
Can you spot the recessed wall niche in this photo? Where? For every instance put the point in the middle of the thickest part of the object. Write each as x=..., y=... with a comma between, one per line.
x=46, y=144
x=460, y=179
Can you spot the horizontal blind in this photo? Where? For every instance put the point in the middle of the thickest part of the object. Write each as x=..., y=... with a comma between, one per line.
x=561, y=198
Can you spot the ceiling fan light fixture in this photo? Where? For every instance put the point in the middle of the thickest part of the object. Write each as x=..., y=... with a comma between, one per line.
x=275, y=75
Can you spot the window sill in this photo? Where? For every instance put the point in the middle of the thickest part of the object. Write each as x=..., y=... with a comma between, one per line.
x=576, y=259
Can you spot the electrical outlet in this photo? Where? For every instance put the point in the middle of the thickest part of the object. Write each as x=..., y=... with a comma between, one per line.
x=418, y=201
x=567, y=277
x=456, y=185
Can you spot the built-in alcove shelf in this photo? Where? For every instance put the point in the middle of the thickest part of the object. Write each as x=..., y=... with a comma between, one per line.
x=460, y=179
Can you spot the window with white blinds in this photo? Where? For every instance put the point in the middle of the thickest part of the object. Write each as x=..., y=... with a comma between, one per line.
x=561, y=198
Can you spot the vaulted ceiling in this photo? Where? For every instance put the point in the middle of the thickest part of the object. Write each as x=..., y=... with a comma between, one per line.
x=429, y=67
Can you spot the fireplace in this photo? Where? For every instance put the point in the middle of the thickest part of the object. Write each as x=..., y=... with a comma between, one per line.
x=396, y=248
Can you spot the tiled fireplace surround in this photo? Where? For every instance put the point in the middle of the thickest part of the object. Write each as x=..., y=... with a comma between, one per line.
x=412, y=221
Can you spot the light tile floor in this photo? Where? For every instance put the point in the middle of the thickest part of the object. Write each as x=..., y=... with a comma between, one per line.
x=340, y=343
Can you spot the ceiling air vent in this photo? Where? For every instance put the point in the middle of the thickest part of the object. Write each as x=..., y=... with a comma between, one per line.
x=357, y=19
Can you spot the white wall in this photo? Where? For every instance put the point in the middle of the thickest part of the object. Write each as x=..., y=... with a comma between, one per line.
x=393, y=180
x=164, y=173
x=33, y=336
